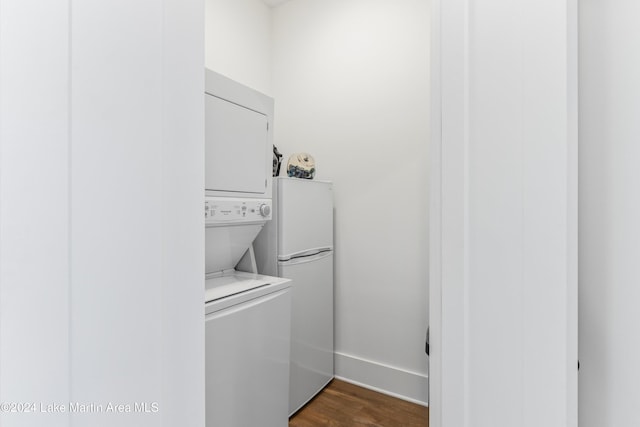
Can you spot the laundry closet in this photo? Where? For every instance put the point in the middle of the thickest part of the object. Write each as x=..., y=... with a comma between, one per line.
x=350, y=84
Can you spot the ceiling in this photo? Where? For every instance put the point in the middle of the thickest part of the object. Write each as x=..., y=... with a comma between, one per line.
x=274, y=3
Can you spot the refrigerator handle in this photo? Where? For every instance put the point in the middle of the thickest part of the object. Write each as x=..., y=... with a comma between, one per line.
x=305, y=253
x=306, y=259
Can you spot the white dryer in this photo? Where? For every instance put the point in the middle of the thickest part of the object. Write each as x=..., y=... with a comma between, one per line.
x=238, y=139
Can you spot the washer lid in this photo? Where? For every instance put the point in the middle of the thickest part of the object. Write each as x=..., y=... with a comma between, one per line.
x=225, y=245
x=233, y=282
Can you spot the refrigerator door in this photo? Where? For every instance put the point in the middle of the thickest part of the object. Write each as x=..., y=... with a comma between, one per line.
x=305, y=217
x=311, y=365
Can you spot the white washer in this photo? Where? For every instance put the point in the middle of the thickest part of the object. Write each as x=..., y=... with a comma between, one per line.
x=247, y=352
x=247, y=322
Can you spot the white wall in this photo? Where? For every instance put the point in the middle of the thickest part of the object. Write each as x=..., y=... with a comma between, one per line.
x=351, y=84
x=609, y=212
x=34, y=210
x=504, y=252
x=102, y=252
x=238, y=41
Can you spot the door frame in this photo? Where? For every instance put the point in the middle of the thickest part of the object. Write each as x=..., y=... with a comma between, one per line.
x=449, y=211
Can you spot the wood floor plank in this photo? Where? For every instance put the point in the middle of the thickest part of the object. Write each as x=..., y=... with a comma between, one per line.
x=342, y=404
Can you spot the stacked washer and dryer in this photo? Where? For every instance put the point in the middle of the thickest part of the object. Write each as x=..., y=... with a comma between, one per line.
x=247, y=315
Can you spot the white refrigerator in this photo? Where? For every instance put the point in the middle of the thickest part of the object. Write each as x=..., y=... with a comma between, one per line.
x=298, y=244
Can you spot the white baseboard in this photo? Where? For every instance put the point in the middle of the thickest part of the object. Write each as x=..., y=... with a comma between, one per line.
x=396, y=382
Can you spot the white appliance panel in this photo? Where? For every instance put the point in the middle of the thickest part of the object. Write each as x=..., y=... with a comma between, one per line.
x=237, y=148
x=227, y=210
x=311, y=325
x=247, y=362
x=231, y=226
x=305, y=217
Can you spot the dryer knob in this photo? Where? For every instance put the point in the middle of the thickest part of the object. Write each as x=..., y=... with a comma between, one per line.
x=265, y=210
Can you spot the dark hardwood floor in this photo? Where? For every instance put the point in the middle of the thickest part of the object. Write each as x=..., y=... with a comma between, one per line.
x=345, y=405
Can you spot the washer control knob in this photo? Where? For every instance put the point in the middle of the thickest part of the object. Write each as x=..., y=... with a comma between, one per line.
x=265, y=210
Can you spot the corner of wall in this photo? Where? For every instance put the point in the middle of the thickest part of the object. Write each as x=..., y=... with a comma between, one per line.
x=390, y=380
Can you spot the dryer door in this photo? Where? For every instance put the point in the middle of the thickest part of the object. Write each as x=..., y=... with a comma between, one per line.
x=237, y=149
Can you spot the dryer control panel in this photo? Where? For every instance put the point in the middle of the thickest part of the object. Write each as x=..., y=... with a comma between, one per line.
x=227, y=210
